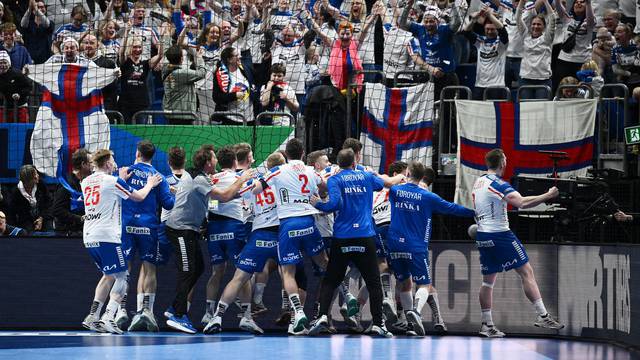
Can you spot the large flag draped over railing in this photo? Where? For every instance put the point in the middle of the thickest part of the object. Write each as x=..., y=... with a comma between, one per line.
x=70, y=116
x=397, y=124
x=521, y=131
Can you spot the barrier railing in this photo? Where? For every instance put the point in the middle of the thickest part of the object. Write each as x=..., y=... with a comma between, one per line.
x=561, y=96
x=490, y=90
x=151, y=113
x=226, y=113
x=396, y=77
x=353, y=129
x=447, y=132
x=544, y=88
x=612, y=118
x=114, y=116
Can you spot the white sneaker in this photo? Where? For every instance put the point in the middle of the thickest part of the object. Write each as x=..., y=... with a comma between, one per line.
x=416, y=321
x=110, y=326
x=490, y=331
x=388, y=308
x=92, y=322
x=548, y=322
x=300, y=321
x=150, y=319
x=214, y=325
x=249, y=325
x=319, y=326
x=296, y=333
x=138, y=323
x=381, y=331
x=122, y=318
x=206, y=318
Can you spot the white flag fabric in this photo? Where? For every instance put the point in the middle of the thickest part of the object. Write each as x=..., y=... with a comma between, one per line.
x=522, y=131
x=71, y=114
x=397, y=124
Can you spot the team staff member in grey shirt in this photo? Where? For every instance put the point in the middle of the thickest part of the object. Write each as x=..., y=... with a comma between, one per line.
x=183, y=227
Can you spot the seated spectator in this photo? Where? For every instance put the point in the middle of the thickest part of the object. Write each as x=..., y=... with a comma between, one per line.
x=30, y=202
x=571, y=91
x=18, y=53
x=179, y=85
x=37, y=31
x=601, y=54
x=68, y=210
x=535, y=68
x=14, y=88
x=231, y=89
x=589, y=74
x=8, y=230
x=74, y=29
x=492, y=49
x=278, y=96
x=70, y=54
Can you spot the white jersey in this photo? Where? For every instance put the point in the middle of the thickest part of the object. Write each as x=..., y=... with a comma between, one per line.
x=489, y=204
x=231, y=209
x=102, y=194
x=491, y=61
x=397, y=53
x=264, y=207
x=381, y=207
x=324, y=221
x=294, y=184
x=293, y=57
x=149, y=38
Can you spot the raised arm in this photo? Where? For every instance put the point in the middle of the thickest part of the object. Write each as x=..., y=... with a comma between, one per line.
x=164, y=33
x=591, y=19
x=550, y=29
x=404, y=22
x=312, y=25
x=231, y=192
x=125, y=43
x=522, y=27
x=108, y=13
x=524, y=202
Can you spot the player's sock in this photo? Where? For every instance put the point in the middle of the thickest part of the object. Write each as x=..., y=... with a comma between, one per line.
x=540, y=309
x=285, y=301
x=123, y=303
x=145, y=301
x=486, y=317
x=422, y=294
x=246, y=310
x=385, y=278
x=139, y=302
x=152, y=300
x=406, y=300
x=363, y=295
x=258, y=291
x=96, y=307
x=211, y=307
x=112, y=309
x=434, y=304
x=296, y=304
x=222, y=307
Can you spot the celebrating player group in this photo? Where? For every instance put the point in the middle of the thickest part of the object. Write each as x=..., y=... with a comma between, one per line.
x=348, y=220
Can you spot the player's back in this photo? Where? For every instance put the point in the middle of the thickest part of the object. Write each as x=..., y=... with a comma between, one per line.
x=161, y=194
x=172, y=180
x=264, y=207
x=381, y=207
x=489, y=205
x=294, y=184
x=102, y=194
x=231, y=209
x=353, y=219
x=410, y=227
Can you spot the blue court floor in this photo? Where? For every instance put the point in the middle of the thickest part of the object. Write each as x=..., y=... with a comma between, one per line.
x=86, y=345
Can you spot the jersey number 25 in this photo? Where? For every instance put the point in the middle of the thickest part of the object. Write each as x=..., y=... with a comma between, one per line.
x=91, y=195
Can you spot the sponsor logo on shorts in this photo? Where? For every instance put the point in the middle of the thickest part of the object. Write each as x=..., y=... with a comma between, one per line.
x=419, y=278
x=486, y=243
x=92, y=244
x=291, y=257
x=301, y=232
x=222, y=236
x=509, y=263
x=109, y=268
x=348, y=249
x=135, y=230
x=400, y=255
x=216, y=257
x=247, y=262
x=266, y=244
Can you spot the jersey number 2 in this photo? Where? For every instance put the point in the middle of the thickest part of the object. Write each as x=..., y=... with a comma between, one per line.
x=305, y=182
x=91, y=195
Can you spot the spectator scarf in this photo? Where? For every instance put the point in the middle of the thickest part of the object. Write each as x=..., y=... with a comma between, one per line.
x=223, y=77
x=31, y=198
x=342, y=64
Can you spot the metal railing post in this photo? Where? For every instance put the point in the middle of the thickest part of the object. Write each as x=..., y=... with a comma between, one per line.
x=450, y=133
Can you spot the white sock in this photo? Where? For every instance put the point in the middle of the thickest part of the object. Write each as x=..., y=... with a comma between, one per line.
x=434, y=304
x=222, y=307
x=296, y=304
x=211, y=307
x=139, y=302
x=151, y=300
x=246, y=308
x=258, y=291
x=285, y=300
x=486, y=317
x=112, y=309
x=539, y=306
x=422, y=294
x=385, y=279
x=96, y=307
x=406, y=300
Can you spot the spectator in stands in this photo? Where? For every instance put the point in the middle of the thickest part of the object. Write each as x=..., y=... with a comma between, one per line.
x=118, y=11
x=14, y=88
x=109, y=40
x=535, y=68
x=8, y=230
x=138, y=28
x=62, y=11
x=291, y=52
x=628, y=11
x=278, y=96
x=514, y=48
x=328, y=26
x=492, y=47
x=30, y=202
x=18, y=53
x=209, y=40
x=625, y=58
x=579, y=25
x=92, y=50
x=6, y=17
x=435, y=44
x=74, y=29
x=37, y=31
x=67, y=210
x=571, y=91
x=70, y=54
x=611, y=19
x=134, y=83
x=601, y=54
x=231, y=89
x=398, y=53
x=589, y=74
x=179, y=85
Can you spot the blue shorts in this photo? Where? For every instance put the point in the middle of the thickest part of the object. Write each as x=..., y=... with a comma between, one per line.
x=262, y=246
x=297, y=234
x=410, y=264
x=501, y=251
x=140, y=235
x=108, y=257
x=381, y=240
x=225, y=240
x=164, y=247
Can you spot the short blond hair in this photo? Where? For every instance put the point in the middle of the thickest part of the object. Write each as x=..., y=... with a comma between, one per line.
x=101, y=157
x=275, y=159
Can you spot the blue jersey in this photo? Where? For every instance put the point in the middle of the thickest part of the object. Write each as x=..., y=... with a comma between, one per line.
x=436, y=49
x=411, y=210
x=351, y=197
x=161, y=194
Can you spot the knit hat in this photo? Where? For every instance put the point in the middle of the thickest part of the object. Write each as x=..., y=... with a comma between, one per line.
x=4, y=56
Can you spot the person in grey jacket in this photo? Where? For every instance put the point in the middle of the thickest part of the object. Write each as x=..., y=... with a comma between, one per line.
x=179, y=85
